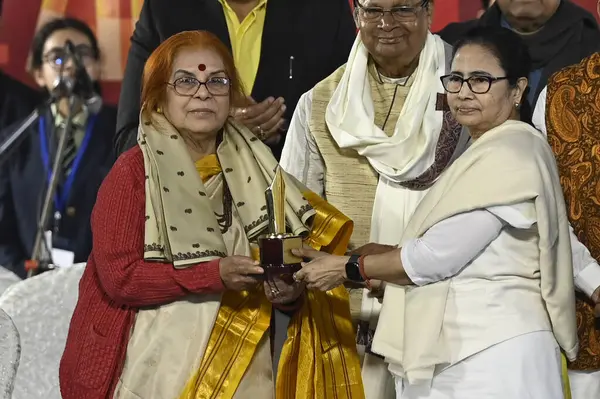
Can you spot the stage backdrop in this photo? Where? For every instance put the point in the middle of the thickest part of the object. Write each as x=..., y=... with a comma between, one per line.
x=114, y=20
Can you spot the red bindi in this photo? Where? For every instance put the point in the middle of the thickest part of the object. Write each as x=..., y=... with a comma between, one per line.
x=201, y=67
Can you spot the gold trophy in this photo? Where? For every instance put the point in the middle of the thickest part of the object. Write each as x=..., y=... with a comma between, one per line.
x=276, y=256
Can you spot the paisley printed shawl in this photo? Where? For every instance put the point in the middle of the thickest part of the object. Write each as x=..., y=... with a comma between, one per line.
x=573, y=124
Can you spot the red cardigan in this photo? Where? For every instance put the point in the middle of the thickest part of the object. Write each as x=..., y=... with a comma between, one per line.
x=117, y=281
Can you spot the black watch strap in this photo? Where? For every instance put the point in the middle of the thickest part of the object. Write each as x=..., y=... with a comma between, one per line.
x=353, y=269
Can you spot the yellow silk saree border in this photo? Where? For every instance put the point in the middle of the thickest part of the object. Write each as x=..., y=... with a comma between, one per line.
x=321, y=345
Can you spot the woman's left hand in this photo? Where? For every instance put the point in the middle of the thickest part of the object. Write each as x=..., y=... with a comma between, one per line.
x=282, y=293
x=324, y=272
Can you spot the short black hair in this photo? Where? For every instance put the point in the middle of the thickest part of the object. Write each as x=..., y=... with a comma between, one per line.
x=510, y=51
x=485, y=4
x=505, y=45
x=42, y=35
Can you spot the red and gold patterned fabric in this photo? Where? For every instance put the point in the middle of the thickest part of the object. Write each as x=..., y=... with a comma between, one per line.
x=573, y=123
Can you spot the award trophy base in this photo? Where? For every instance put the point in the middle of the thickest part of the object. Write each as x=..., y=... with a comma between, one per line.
x=276, y=256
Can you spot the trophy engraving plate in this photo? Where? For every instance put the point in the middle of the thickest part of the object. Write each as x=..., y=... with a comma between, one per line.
x=276, y=256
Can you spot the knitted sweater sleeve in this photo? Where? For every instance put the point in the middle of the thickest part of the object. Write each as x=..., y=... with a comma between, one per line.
x=118, y=241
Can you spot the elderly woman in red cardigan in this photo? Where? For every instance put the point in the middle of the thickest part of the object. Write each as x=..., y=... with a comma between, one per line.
x=171, y=304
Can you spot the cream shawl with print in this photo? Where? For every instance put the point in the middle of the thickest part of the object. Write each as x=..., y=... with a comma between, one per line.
x=181, y=226
x=509, y=164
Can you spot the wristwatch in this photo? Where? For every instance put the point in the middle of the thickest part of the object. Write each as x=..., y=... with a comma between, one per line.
x=353, y=269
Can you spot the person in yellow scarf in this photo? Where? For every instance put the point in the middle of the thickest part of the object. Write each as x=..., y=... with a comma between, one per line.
x=172, y=305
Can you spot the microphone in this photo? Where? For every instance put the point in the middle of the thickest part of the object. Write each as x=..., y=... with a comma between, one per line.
x=81, y=84
x=62, y=86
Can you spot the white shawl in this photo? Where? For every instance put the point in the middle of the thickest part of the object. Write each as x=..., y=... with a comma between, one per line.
x=350, y=115
x=509, y=164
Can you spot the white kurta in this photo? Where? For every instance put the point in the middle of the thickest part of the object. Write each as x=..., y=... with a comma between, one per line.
x=526, y=366
x=451, y=244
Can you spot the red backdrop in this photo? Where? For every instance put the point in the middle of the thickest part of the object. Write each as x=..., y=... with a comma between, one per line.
x=113, y=22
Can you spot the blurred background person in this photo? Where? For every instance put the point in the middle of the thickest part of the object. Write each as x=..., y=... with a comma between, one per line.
x=87, y=155
x=485, y=4
x=16, y=99
x=557, y=33
x=457, y=29
x=282, y=48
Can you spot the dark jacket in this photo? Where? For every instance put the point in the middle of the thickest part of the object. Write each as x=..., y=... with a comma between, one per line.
x=455, y=30
x=317, y=33
x=16, y=100
x=22, y=183
x=568, y=37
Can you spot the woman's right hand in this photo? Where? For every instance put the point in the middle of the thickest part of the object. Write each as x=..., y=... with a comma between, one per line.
x=237, y=272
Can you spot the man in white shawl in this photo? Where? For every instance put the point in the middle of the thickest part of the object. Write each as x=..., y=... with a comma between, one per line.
x=374, y=136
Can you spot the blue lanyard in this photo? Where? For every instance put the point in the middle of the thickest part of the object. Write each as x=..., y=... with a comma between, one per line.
x=60, y=201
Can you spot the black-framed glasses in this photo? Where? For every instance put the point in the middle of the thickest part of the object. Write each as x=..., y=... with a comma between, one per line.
x=189, y=86
x=479, y=84
x=399, y=13
x=57, y=57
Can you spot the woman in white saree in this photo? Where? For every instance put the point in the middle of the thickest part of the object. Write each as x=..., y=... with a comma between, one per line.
x=479, y=296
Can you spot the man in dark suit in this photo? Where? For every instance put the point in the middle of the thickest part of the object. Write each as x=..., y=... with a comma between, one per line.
x=558, y=33
x=16, y=99
x=458, y=29
x=282, y=48
x=87, y=158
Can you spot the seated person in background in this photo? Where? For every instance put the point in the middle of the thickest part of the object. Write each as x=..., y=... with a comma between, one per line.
x=88, y=155
x=281, y=49
x=171, y=284
x=557, y=33
x=481, y=286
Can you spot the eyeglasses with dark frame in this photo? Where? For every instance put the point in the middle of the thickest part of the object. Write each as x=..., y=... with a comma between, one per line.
x=189, y=86
x=478, y=84
x=399, y=13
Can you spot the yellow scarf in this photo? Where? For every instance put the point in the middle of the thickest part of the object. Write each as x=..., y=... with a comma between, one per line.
x=208, y=167
x=320, y=348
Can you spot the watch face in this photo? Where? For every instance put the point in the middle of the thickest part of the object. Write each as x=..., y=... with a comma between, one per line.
x=353, y=270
